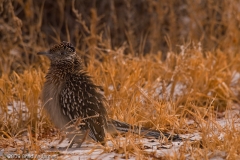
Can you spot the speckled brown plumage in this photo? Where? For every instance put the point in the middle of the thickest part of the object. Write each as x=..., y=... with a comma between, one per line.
x=69, y=94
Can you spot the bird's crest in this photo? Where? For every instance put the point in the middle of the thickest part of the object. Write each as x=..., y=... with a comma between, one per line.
x=62, y=46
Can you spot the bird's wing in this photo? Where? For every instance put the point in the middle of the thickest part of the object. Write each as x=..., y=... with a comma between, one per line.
x=80, y=99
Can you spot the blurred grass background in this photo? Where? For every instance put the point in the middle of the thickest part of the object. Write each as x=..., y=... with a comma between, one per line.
x=144, y=26
x=159, y=61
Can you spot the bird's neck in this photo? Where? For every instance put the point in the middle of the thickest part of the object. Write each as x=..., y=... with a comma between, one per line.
x=60, y=70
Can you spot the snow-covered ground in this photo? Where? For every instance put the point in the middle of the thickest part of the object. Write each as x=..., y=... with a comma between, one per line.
x=92, y=150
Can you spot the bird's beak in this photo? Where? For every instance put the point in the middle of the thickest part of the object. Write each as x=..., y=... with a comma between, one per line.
x=43, y=53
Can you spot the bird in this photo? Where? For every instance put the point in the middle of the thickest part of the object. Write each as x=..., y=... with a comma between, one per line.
x=69, y=94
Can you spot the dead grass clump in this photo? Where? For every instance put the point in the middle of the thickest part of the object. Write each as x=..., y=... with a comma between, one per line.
x=142, y=91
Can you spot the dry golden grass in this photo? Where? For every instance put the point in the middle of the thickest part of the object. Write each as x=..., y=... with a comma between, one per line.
x=141, y=88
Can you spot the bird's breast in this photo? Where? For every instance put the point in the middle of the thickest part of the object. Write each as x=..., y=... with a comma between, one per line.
x=50, y=100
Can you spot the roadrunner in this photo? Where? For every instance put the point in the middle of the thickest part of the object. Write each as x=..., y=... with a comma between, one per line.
x=69, y=94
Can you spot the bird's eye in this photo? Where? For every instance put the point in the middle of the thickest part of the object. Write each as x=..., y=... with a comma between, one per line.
x=62, y=53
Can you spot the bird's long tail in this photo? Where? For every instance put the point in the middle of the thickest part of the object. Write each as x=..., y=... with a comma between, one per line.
x=122, y=127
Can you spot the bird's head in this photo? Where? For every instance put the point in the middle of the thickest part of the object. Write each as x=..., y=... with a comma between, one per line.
x=61, y=51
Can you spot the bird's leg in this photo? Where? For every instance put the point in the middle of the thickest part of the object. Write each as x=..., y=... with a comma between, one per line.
x=71, y=144
x=84, y=138
x=62, y=139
